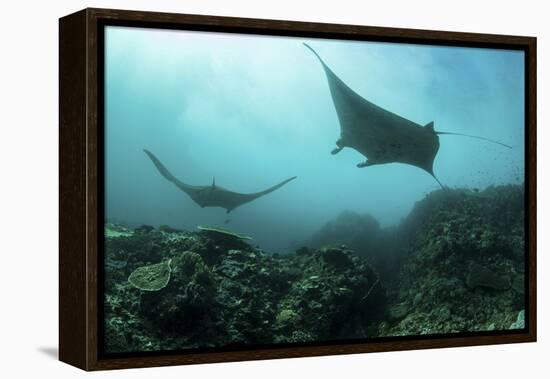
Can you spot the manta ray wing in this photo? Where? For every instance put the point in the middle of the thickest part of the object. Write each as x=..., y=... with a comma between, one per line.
x=188, y=189
x=380, y=135
x=235, y=199
x=212, y=195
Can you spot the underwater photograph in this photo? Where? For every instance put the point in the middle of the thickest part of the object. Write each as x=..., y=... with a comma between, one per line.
x=264, y=191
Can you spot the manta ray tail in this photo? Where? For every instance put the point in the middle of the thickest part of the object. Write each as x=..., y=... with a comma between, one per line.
x=478, y=137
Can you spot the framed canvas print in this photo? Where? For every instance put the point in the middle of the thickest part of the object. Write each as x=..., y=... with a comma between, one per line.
x=236, y=189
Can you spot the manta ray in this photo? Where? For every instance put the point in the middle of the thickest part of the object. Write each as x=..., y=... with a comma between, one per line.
x=213, y=195
x=380, y=135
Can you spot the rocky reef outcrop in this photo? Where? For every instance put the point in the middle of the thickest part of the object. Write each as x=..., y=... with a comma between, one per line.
x=167, y=289
x=363, y=234
x=456, y=264
x=465, y=265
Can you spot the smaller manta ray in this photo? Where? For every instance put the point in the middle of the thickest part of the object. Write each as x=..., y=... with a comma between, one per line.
x=380, y=135
x=213, y=195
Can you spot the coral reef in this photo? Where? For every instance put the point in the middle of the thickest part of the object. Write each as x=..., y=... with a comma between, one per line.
x=218, y=233
x=480, y=276
x=455, y=264
x=208, y=293
x=152, y=277
x=465, y=266
x=362, y=234
x=520, y=321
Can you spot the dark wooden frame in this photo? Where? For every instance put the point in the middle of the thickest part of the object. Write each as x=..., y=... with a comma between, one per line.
x=81, y=180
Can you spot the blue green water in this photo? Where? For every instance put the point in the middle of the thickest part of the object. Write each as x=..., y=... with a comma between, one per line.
x=254, y=110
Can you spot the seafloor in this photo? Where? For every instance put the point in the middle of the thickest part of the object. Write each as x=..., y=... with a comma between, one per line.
x=455, y=264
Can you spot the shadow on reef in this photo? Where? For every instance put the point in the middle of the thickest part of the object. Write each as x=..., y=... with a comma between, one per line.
x=454, y=264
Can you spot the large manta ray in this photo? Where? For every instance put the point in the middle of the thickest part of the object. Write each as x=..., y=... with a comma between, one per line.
x=213, y=195
x=380, y=135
